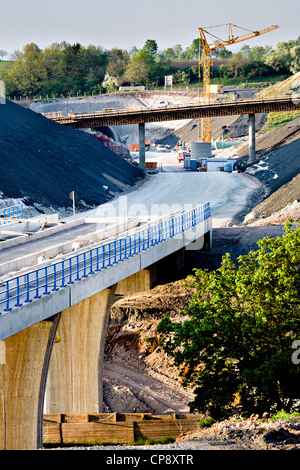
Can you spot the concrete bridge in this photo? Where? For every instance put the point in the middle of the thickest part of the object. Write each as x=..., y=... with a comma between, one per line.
x=54, y=309
x=115, y=117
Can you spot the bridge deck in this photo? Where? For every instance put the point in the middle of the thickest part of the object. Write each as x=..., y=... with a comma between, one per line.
x=114, y=117
x=66, y=281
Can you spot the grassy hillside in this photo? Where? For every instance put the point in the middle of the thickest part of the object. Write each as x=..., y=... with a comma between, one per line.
x=283, y=88
x=4, y=64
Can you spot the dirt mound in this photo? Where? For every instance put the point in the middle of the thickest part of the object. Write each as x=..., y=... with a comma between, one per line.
x=42, y=162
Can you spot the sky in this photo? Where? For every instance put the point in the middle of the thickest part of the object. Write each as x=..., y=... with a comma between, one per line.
x=128, y=23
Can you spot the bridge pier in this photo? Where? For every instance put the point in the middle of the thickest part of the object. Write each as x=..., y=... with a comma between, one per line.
x=139, y=282
x=251, y=137
x=24, y=364
x=142, y=152
x=74, y=382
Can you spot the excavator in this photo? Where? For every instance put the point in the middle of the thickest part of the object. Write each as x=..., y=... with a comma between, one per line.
x=205, y=61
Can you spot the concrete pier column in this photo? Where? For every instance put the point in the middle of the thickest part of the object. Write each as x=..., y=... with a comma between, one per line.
x=24, y=361
x=74, y=382
x=142, y=154
x=251, y=137
x=139, y=282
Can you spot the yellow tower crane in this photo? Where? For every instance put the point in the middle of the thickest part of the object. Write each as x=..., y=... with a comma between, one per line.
x=206, y=64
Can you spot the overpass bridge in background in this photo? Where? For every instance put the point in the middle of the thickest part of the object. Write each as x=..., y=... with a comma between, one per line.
x=141, y=116
x=54, y=311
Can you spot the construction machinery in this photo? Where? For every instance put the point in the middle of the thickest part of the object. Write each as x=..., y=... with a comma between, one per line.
x=205, y=61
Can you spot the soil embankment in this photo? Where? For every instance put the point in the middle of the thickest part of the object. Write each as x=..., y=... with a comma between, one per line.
x=42, y=162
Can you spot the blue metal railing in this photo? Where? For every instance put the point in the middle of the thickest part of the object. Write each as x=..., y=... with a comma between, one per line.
x=12, y=212
x=24, y=288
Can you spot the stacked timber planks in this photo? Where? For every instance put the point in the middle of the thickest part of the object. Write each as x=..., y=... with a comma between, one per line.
x=114, y=428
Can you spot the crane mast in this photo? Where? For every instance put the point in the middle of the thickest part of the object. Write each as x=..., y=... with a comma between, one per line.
x=205, y=61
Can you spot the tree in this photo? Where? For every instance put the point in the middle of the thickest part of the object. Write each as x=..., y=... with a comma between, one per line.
x=235, y=338
x=282, y=59
x=295, y=59
x=151, y=47
x=235, y=68
x=60, y=69
x=117, y=63
x=182, y=77
x=192, y=52
x=110, y=83
x=140, y=68
x=223, y=54
x=3, y=53
x=28, y=71
x=178, y=51
x=168, y=54
x=255, y=53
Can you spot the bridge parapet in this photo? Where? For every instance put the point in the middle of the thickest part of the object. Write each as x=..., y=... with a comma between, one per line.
x=8, y=214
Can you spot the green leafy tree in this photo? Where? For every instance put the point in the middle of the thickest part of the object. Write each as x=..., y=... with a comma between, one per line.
x=117, y=63
x=28, y=73
x=178, y=51
x=59, y=69
x=255, y=53
x=169, y=54
x=140, y=68
x=182, y=76
x=151, y=47
x=223, y=54
x=235, y=338
x=282, y=59
x=192, y=52
x=295, y=59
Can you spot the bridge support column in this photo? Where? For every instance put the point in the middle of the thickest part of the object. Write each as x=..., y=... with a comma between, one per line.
x=142, y=152
x=75, y=374
x=139, y=282
x=24, y=361
x=251, y=138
